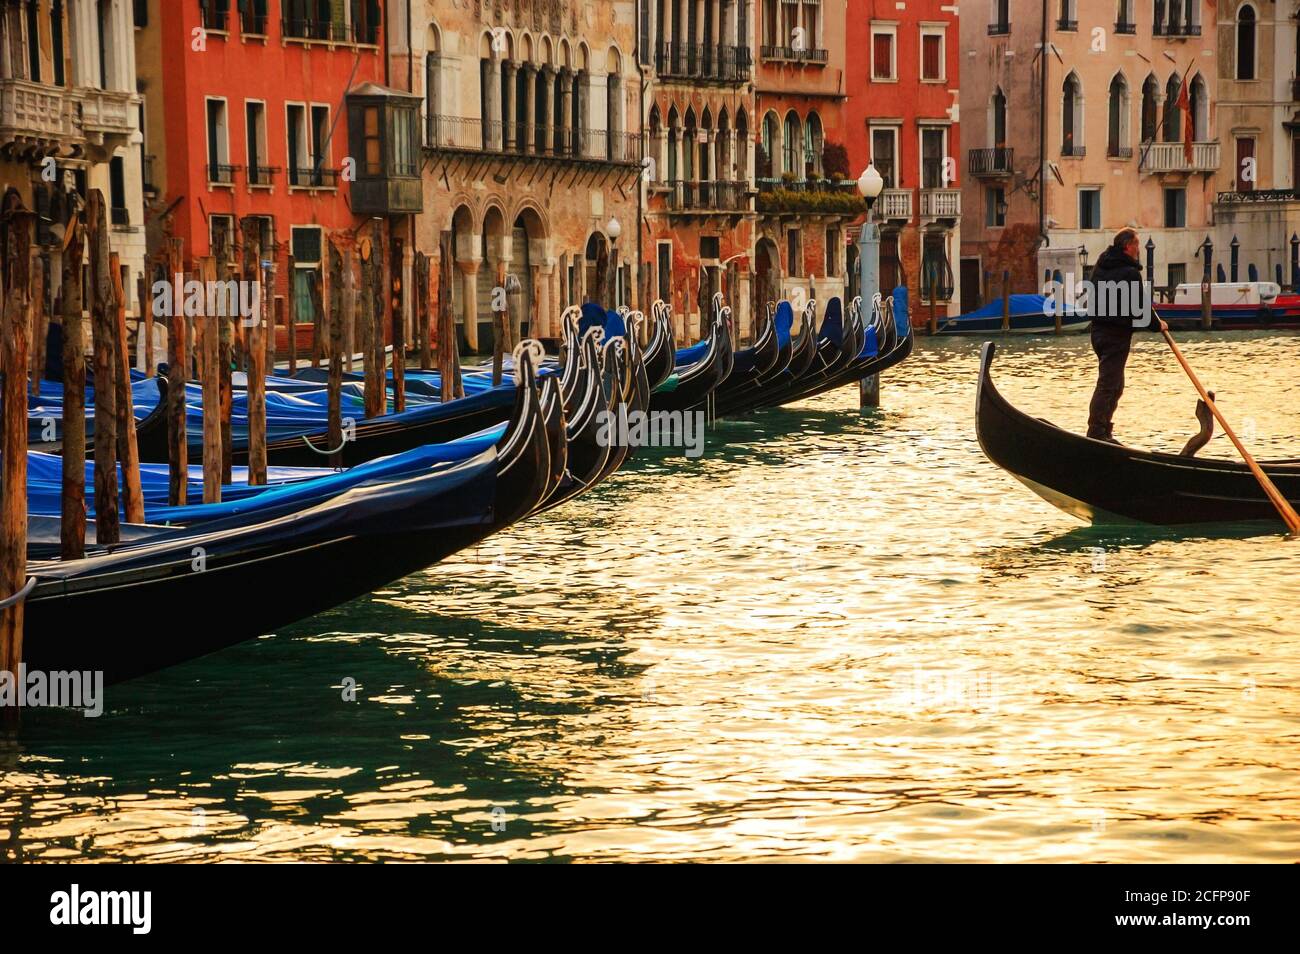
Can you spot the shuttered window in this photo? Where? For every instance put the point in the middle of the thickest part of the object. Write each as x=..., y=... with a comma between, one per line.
x=882, y=56
x=932, y=56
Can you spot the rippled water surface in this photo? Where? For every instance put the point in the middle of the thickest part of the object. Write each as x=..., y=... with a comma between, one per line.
x=834, y=637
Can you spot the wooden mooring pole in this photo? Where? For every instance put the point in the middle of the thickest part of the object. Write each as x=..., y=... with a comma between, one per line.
x=72, y=529
x=209, y=337
x=448, y=345
x=338, y=288
x=178, y=376
x=255, y=328
x=127, y=451
x=397, y=303
x=15, y=342
x=500, y=317
x=103, y=329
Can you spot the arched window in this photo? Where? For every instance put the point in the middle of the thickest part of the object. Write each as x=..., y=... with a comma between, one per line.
x=998, y=119
x=689, y=139
x=1071, y=117
x=1200, y=105
x=767, y=165
x=813, y=142
x=742, y=147
x=1150, y=90
x=657, y=144
x=1173, y=125
x=793, y=160
x=1246, y=43
x=674, y=144
x=432, y=71
x=1117, y=142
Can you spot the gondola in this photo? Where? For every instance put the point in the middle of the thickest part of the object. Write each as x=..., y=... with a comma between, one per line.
x=204, y=590
x=1101, y=482
x=693, y=382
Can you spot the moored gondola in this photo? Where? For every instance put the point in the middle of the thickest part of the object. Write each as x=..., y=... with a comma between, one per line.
x=251, y=579
x=1102, y=482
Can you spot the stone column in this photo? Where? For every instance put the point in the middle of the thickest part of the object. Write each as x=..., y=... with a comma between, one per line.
x=547, y=139
x=565, y=120
x=584, y=113
x=509, y=132
x=493, y=117
x=469, y=298
x=530, y=138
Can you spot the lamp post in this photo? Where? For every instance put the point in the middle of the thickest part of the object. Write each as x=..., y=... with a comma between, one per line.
x=870, y=185
x=613, y=228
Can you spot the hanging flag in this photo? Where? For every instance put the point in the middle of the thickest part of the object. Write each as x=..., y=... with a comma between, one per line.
x=1185, y=106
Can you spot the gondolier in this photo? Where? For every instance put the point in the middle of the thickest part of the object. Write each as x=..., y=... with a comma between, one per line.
x=1117, y=301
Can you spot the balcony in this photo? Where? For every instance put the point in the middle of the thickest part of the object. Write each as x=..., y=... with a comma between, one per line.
x=1067, y=25
x=895, y=204
x=1258, y=197
x=990, y=162
x=999, y=29
x=330, y=31
x=941, y=203
x=1119, y=152
x=35, y=115
x=808, y=197
x=1125, y=29
x=1176, y=30
x=221, y=173
x=106, y=113
x=790, y=54
x=454, y=134
x=261, y=176
x=1166, y=157
x=705, y=64
x=708, y=197
x=1073, y=151
x=313, y=178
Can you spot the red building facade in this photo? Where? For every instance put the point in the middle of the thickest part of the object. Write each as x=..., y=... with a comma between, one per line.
x=902, y=115
x=247, y=116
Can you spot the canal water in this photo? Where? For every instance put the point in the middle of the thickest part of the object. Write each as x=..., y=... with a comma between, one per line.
x=834, y=636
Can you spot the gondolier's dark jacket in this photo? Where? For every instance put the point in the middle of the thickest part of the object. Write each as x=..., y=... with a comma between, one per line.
x=1115, y=270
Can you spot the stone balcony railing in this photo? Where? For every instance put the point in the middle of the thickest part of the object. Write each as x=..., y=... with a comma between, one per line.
x=106, y=112
x=34, y=112
x=1159, y=157
x=941, y=203
x=895, y=204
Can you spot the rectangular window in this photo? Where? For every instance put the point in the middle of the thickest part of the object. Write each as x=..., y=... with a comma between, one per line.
x=117, y=192
x=1246, y=167
x=884, y=150
x=1177, y=274
x=255, y=136
x=320, y=124
x=306, y=245
x=932, y=55
x=833, y=245
x=933, y=150
x=709, y=245
x=891, y=266
x=995, y=207
x=221, y=234
x=1089, y=208
x=882, y=53
x=1175, y=208
x=665, y=271
x=794, y=253
x=371, y=147
x=56, y=38
x=299, y=159
x=219, y=170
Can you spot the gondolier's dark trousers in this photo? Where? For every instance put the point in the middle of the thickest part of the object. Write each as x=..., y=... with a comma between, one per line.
x=1112, y=347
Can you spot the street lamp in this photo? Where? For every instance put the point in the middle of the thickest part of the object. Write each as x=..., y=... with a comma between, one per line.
x=613, y=228
x=870, y=185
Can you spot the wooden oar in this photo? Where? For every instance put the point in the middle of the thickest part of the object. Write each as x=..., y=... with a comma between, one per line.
x=1284, y=508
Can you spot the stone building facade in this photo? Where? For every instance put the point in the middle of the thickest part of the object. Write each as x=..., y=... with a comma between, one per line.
x=70, y=119
x=532, y=152
x=807, y=192
x=696, y=57
x=1067, y=148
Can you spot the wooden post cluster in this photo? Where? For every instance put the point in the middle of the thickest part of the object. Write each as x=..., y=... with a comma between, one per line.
x=127, y=451
x=448, y=348
x=15, y=342
x=103, y=329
